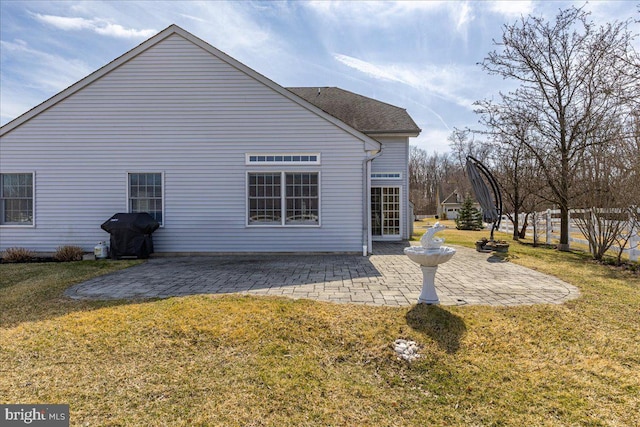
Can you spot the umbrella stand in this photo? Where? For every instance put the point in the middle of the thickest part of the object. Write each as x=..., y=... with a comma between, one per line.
x=491, y=206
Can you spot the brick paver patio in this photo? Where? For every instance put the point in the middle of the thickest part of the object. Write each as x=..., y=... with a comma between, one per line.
x=387, y=277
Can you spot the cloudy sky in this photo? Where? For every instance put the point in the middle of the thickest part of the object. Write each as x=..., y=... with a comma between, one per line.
x=420, y=55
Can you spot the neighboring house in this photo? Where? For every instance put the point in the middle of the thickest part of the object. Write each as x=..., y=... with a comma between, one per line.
x=224, y=158
x=449, y=207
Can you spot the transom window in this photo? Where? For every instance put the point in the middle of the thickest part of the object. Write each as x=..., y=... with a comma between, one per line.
x=16, y=199
x=294, y=193
x=145, y=194
x=386, y=175
x=281, y=158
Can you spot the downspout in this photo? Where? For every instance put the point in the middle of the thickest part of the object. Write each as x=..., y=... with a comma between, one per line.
x=366, y=200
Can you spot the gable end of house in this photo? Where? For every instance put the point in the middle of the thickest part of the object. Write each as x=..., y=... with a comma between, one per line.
x=370, y=144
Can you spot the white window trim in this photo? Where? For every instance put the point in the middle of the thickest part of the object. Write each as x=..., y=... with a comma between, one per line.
x=399, y=175
x=283, y=200
x=164, y=204
x=248, y=161
x=33, y=201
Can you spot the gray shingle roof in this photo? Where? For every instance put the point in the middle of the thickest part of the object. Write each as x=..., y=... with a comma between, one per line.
x=364, y=114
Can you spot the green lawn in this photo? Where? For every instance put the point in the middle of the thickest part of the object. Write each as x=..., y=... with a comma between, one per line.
x=252, y=361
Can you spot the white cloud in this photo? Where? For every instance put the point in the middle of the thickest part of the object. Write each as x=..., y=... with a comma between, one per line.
x=63, y=22
x=433, y=140
x=47, y=72
x=390, y=15
x=375, y=71
x=365, y=10
x=227, y=26
x=445, y=82
x=115, y=30
x=512, y=9
x=99, y=26
x=195, y=18
x=463, y=17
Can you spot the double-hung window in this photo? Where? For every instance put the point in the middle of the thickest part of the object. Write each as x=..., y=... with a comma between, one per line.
x=145, y=194
x=265, y=198
x=283, y=198
x=16, y=199
x=302, y=199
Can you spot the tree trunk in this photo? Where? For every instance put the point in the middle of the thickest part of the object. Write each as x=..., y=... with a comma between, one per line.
x=516, y=218
x=525, y=224
x=564, y=229
x=564, y=187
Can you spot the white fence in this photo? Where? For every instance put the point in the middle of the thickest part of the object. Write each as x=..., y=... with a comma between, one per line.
x=547, y=227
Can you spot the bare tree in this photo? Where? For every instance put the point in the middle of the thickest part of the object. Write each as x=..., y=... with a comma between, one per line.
x=517, y=174
x=463, y=143
x=608, y=188
x=436, y=174
x=427, y=175
x=422, y=180
x=629, y=162
x=516, y=169
x=599, y=193
x=572, y=76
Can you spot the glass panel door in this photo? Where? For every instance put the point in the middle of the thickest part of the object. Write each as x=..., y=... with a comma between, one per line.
x=376, y=211
x=385, y=211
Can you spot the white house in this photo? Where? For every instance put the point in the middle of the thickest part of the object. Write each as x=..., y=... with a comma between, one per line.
x=224, y=158
x=451, y=205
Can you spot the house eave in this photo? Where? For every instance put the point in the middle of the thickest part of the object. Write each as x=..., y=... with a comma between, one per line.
x=404, y=133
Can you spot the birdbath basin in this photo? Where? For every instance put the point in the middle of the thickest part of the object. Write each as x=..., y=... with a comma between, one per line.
x=429, y=255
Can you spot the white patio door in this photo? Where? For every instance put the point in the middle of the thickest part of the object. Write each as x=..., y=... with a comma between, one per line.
x=385, y=213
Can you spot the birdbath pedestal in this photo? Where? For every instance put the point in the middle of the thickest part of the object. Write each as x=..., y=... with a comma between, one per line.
x=429, y=255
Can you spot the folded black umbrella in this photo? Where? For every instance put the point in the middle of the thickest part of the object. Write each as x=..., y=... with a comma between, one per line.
x=491, y=204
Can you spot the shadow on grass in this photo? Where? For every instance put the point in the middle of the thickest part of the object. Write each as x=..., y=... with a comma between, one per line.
x=444, y=328
x=537, y=245
x=580, y=259
x=498, y=257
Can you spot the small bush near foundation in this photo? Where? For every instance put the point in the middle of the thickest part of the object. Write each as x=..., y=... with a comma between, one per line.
x=68, y=253
x=17, y=255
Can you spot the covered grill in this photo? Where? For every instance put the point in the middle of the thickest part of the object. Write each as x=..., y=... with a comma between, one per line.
x=131, y=234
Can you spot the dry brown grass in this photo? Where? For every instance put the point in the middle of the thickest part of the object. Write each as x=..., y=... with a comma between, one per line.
x=251, y=361
x=68, y=253
x=17, y=255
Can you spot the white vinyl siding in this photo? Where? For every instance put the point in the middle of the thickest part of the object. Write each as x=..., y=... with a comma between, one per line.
x=16, y=199
x=178, y=109
x=384, y=169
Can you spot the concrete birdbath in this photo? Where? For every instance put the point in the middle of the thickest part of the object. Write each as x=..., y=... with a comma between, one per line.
x=429, y=255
